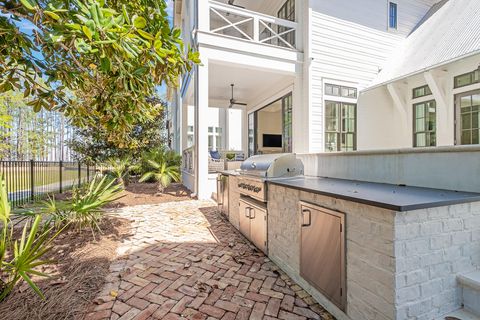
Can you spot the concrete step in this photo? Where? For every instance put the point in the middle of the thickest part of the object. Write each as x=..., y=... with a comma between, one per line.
x=470, y=285
x=461, y=314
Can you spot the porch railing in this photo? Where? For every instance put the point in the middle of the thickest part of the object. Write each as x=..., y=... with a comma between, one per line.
x=252, y=26
x=188, y=158
x=31, y=180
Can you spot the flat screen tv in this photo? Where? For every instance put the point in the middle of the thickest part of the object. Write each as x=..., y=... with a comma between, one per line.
x=272, y=140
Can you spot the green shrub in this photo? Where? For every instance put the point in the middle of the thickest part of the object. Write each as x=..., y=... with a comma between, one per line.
x=86, y=207
x=20, y=258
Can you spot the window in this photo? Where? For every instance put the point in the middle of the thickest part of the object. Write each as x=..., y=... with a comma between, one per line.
x=251, y=133
x=424, y=124
x=467, y=79
x=392, y=15
x=287, y=12
x=287, y=123
x=190, y=136
x=340, y=91
x=256, y=124
x=214, y=138
x=340, y=126
x=421, y=92
x=468, y=118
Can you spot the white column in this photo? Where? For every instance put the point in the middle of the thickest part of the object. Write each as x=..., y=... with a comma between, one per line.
x=203, y=15
x=201, y=130
x=226, y=133
x=245, y=132
x=184, y=122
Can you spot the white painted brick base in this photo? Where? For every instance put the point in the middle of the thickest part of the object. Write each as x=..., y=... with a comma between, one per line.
x=400, y=265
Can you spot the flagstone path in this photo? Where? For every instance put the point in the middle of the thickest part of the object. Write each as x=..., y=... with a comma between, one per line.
x=183, y=260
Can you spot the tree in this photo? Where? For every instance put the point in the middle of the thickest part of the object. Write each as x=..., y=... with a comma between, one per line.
x=110, y=55
x=25, y=134
x=92, y=144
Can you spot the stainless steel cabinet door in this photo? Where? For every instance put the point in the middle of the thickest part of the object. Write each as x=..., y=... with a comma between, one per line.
x=258, y=228
x=244, y=218
x=322, y=261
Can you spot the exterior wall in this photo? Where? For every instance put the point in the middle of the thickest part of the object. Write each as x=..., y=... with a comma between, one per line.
x=350, y=46
x=369, y=245
x=431, y=168
x=432, y=247
x=386, y=124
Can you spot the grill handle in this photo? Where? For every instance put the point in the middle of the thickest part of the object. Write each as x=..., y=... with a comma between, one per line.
x=309, y=223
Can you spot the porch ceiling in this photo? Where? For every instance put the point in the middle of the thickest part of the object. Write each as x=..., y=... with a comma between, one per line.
x=249, y=84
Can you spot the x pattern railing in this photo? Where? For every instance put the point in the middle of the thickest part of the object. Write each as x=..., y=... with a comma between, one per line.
x=250, y=26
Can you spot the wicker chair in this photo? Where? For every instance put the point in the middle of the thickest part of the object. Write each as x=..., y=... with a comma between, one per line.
x=215, y=162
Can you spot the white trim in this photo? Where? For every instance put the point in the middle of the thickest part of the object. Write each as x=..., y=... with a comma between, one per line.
x=470, y=87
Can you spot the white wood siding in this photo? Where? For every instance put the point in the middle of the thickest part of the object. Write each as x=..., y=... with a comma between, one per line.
x=343, y=51
x=351, y=43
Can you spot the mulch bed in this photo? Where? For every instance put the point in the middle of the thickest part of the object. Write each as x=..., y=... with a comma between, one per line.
x=147, y=193
x=83, y=261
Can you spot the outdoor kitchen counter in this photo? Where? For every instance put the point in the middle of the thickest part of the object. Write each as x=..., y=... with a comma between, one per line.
x=388, y=196
x=404, y=246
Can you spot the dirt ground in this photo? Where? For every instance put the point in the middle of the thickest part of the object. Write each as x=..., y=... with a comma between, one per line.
x=83, y=262
x=147, y=193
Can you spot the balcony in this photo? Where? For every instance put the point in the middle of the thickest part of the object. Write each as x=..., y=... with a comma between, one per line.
x=231, y=21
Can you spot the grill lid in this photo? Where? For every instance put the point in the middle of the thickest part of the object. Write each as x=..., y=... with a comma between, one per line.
x=272, y=165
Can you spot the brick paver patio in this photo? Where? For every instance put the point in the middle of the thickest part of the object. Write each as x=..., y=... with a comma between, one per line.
x=183, y=260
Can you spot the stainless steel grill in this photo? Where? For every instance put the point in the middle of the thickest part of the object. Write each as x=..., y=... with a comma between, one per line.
x=257, y=169
x=252, y=185
x=272, y=166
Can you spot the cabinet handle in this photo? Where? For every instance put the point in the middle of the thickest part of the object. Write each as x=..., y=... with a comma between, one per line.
x=247, y=212
x=250, y=214
x=309, y=223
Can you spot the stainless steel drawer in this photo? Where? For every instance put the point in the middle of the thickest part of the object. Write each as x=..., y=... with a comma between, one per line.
x=322, y=252
x=253, y=222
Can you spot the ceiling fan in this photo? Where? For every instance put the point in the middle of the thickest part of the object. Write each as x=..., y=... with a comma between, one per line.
x=234, y=102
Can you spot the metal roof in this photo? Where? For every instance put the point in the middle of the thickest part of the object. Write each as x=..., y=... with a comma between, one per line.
x=450, y=32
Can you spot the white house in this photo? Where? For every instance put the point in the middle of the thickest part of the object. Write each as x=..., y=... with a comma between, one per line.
x=326, y=76
x=376, y=91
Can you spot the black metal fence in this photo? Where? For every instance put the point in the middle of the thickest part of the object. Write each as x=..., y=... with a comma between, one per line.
x=31, y=180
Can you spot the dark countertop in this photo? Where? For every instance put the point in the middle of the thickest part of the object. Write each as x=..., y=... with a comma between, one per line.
x=229, y=172
x=388, y=196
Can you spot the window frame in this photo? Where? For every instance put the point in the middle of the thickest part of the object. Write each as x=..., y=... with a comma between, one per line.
x=471, y=73
x=340, y=130
x=414, y=124
x=458, y=120
x=392, y=4
x=340, y=88
x=429, y=93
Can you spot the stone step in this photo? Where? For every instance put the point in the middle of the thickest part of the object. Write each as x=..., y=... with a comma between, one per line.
x=461, y=314
x=470, y=284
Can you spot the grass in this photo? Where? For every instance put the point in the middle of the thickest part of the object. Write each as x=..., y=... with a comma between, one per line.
x=18, y=179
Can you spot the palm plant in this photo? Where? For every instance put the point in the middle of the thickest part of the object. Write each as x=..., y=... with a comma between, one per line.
x=120, y=169
x=163, y=173
x=85, y=209
x=170, y=157
x=20, y=258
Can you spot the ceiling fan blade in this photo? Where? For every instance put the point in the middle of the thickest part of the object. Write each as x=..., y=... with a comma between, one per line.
x=240, y=103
